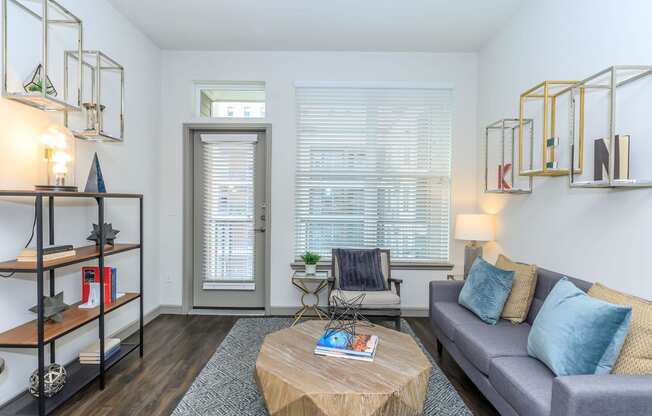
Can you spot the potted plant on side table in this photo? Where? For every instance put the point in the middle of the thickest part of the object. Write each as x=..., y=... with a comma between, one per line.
x=310, y=259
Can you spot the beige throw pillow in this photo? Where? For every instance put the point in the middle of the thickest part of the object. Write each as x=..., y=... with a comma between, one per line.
x=636, y=355
x=525, y=281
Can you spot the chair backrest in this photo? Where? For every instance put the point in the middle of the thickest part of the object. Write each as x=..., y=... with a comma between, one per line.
x=385, y=265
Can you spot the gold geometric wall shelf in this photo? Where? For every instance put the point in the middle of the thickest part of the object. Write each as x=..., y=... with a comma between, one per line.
x=545, y=152
x=500, y=158
x=613, y=114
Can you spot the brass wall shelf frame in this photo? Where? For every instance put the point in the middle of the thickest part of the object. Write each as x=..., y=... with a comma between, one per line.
x=98, y=63
x=608, y=79
x=548, y=91
x=42, y=100
x=507, y=128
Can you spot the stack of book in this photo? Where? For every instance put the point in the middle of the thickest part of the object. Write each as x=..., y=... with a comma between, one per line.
x=92, y=275
x=91, y=354
x=344, y=345
x=49, y=253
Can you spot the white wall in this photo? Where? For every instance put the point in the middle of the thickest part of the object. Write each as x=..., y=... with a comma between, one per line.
x=280, y=70
x=127, y=167
x=597, y=235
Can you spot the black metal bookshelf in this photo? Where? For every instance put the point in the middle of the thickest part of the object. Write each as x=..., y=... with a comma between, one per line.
x=37, y=334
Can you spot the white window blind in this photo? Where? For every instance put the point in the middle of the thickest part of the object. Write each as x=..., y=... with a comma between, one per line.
x=228, y=207
x=373, y=170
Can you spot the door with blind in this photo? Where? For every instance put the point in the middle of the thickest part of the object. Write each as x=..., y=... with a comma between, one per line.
x=229, y=189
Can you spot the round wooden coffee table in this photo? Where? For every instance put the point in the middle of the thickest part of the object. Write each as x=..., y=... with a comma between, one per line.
x=296, y=382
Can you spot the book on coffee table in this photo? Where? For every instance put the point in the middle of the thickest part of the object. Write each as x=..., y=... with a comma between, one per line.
x=341, y=344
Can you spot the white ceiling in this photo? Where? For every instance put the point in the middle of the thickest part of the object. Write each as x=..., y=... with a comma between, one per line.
x=352, y=25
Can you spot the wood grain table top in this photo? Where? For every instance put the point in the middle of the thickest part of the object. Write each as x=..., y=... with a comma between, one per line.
x=289, y=371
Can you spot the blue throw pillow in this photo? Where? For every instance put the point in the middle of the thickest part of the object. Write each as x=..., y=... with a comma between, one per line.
x=486, y=290
x=576, y=334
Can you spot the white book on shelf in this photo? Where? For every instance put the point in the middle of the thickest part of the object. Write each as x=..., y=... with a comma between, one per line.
x=93, y=350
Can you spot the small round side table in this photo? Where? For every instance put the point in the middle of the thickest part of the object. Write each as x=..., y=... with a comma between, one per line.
x=310, y=286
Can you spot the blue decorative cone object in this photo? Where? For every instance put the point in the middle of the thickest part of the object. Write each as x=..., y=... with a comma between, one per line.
x=95, y=182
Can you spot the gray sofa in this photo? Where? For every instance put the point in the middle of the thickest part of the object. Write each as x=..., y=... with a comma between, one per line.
x=495, y=358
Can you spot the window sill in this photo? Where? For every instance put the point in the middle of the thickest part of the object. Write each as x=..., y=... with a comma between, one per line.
x=299, y=266
x=229, y=286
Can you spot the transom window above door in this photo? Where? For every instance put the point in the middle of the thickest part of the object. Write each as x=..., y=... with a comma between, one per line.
x=226, y=99
x=374, y=170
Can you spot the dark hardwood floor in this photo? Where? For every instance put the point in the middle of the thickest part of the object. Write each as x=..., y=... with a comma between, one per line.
x=177, y=348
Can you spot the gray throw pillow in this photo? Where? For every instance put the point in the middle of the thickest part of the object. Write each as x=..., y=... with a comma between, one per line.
x=360, y=270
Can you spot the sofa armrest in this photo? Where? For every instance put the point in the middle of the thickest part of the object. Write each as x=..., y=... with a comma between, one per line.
x=605, y=395
x=445, y=290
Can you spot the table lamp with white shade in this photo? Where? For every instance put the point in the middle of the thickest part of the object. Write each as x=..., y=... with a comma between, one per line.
x=473, y=228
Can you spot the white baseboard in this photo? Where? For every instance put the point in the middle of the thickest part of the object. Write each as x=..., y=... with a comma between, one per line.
x=171, y=310
x=227, y=312
x=132, y=328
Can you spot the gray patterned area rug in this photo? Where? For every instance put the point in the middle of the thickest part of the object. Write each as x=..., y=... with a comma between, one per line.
x=226, y=386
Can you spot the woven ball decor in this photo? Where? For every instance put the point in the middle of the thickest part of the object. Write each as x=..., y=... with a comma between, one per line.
x=53, y=380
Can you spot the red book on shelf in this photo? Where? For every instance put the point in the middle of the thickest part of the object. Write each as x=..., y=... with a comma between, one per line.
x=92, y=274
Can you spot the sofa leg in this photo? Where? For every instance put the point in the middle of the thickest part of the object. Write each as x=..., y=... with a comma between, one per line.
x=440, y=349
x=397, y=322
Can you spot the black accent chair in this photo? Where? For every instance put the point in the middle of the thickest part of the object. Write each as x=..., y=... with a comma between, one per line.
x=384, y=304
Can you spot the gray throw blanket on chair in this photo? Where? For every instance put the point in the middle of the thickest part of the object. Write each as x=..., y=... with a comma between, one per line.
x=360, y=270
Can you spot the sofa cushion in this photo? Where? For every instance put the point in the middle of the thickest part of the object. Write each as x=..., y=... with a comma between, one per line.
x=519, y=300
x=360, y=270
x=385, y=299
x=546, y=280
x=524, y=382
x=636, y=355
x=486, y=290
x=480, y=342
x=450, y=315
x=576, y=334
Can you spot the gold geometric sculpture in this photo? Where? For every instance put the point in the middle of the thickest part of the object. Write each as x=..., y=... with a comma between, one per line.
x=548, y=92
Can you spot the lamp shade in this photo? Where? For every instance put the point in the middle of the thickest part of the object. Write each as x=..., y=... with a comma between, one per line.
x=474, y=227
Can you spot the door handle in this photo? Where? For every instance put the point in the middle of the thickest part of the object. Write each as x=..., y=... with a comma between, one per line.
x=260, y=230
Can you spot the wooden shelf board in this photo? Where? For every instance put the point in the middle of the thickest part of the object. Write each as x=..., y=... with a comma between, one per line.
x=31, y=192
x=79, y=376
x=83, y=254
x=25, y=336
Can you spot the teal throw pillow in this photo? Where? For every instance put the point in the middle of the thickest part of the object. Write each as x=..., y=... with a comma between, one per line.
x=575, y=334
x=486, y=290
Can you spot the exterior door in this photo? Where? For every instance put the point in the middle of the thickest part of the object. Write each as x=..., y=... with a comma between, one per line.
x=229, y=189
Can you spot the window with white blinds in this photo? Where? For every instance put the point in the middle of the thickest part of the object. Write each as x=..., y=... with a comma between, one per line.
x=228, y=207
x=374, y=170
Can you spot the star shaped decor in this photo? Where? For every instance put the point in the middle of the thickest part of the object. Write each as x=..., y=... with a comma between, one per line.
x=345, y=314
x=52, y=308
x=109, y=234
